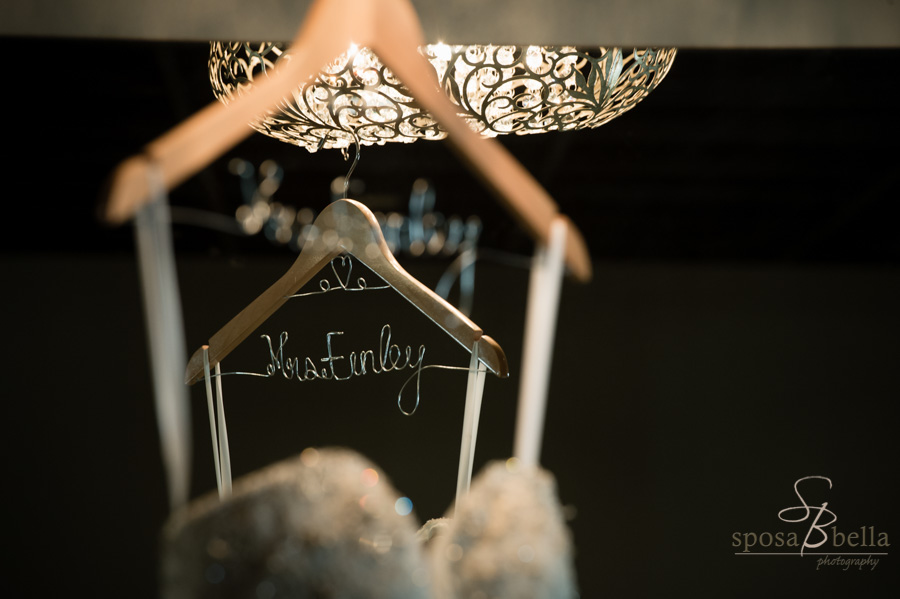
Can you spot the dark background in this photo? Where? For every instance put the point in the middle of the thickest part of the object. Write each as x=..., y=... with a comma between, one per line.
x=740, y=331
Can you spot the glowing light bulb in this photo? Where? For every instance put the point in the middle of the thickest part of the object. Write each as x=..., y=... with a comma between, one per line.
x=533, y=57
x=442, y=51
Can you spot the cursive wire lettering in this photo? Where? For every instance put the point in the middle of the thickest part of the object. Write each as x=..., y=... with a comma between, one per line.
x=336, y=366
x=342, y=276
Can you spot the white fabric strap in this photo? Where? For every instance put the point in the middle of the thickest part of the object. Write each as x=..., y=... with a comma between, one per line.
x=165, y=335
x=210, y=407
x=540, y=330
x=224, y=452
x=474, y=393
x=216, y=410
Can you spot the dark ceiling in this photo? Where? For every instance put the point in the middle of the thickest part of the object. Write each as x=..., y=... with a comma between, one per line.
x=738, y=156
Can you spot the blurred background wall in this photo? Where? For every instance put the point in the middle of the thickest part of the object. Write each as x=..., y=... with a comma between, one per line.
x=740, y=331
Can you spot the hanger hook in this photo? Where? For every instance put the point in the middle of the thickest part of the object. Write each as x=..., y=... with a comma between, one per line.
x=352, y=166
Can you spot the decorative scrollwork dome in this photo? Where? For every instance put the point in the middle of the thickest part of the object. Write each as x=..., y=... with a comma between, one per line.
x=498, y=89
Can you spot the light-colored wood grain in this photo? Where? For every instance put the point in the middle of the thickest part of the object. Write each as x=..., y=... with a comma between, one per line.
x=392, y=30
x=358, y=235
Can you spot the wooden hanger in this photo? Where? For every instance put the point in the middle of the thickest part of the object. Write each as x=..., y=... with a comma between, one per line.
x=391, y=29
x=358, y=234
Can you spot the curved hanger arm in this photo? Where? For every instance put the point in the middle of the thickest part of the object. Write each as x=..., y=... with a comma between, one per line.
x=359, y=235
x=392, y=30
x=396, y=45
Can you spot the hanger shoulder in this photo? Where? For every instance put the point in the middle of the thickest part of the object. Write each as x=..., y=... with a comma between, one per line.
x=357, y=225
x=327, y=31
x=305, y=267
x=490, y=352
x=356, y=232
x=396, y=44
x=392, y=29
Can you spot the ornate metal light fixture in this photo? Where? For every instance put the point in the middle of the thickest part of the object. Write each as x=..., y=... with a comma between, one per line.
x=499, y=90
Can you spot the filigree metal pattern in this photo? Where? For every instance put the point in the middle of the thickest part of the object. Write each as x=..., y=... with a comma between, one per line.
x=354, y=97
x=499, y=90
x=533, y=89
